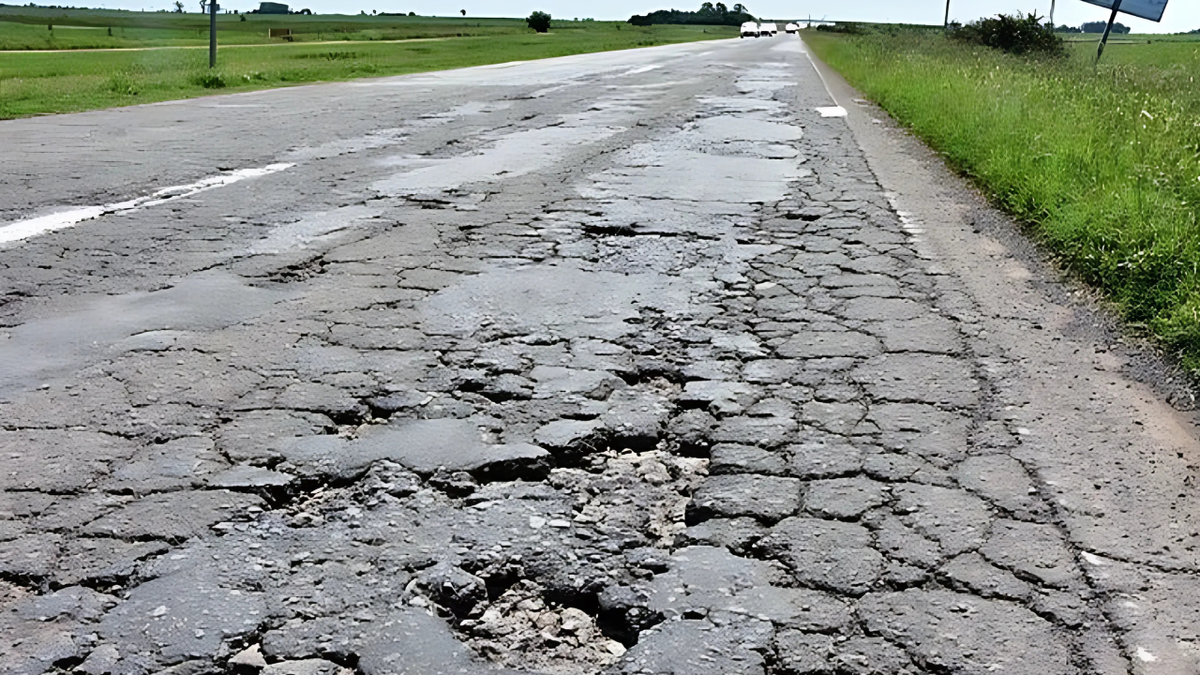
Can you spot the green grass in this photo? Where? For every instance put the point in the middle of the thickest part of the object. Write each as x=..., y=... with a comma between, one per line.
x=175, y=66
x=1104, y=164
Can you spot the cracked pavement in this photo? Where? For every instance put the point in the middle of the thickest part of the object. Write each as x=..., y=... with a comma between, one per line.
x=621, y=363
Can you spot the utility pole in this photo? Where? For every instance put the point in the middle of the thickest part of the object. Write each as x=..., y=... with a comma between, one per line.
x=1052, y=12
x=946, y=23
x=1108, y=29
x=212, y=33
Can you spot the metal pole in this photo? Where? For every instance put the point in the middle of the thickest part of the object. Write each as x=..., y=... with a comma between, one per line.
x=1052, y=13
x=946, y=23
x=1108, y=29
x=212, y=33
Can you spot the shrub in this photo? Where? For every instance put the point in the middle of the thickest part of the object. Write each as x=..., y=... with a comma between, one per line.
x=539, y=21
x=209, y=80
x=1020, y=34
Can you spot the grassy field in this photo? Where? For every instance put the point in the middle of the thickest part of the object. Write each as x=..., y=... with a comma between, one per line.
x=163, y=56
x=1104, y=163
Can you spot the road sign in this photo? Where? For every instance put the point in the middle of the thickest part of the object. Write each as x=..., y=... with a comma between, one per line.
x=1146, y=9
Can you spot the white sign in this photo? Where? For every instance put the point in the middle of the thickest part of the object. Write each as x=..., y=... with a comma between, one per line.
x=1146, y=9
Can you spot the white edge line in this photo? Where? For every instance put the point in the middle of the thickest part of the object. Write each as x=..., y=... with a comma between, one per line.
x=32, y=227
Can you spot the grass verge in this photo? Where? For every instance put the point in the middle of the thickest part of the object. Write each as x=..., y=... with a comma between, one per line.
x=1104, y=164
x=35, y=83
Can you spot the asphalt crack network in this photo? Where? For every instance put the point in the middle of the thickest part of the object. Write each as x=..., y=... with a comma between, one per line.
x=684, y=396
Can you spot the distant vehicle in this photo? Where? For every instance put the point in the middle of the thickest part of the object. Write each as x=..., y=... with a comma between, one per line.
x=750, y=29
x=791, y=29
x=768, y=29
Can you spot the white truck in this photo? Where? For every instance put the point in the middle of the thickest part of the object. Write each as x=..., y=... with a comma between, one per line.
x=750, y=29
x=768, y=29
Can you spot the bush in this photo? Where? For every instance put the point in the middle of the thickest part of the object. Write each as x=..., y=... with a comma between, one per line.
x=1020, y=34
x=539, y=21
x=209, y=80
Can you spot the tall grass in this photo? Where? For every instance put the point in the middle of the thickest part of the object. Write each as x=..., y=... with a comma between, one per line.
x=1103, y=163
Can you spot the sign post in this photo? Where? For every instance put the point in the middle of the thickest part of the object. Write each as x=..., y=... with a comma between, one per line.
x=212, y=33
x=1151, y=10
x=1108, y=29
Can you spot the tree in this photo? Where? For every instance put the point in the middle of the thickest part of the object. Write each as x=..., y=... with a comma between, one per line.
x=739, y=8
x=203, y=6
x=464, y=12
x=178, y=7
x=539, y=21
x=721, y=8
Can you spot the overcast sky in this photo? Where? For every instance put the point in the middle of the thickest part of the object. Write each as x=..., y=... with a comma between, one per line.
x=1181, y=15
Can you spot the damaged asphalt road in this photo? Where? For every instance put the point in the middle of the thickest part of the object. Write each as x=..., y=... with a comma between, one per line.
x=623, y=363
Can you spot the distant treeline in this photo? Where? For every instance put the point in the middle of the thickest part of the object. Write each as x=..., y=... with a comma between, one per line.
x=708, y=15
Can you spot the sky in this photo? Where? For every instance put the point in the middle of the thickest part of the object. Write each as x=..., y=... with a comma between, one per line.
x=1181, y=15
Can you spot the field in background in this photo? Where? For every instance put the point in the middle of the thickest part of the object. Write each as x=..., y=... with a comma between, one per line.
x=1104, y=164
x=41, y=28
x=160, y=55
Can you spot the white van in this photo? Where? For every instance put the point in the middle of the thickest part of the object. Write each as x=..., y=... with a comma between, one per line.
x=768, y=29
x=749, y=29
x=791, y=29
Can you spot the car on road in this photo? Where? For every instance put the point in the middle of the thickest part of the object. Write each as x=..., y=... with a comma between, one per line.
x=750, y=29
x=768, y=29
x=791, y=29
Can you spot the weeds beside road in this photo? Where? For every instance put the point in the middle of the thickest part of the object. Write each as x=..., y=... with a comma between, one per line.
x=71, y=81
x=1104, y=163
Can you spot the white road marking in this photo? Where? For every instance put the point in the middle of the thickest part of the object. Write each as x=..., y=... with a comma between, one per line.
x=832, y=111
x=32, y=227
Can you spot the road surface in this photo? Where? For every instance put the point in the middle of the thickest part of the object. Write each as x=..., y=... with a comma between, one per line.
x=676, y=360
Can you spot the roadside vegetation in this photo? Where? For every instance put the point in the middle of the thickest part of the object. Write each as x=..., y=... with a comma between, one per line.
x=1102, y=163
x=42, y=82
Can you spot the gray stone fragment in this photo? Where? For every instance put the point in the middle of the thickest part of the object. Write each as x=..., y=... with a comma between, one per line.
x=636, y=417
x=181, y=616
x=555, y=381
x=736, y=534
x=173, y=516
x=826, y=554
x=800, y=653
x=769, y=498
x=1032, y=550
x=936, y=435
x=699, y=648
x=58, y=460
x=836, y=418
x=920, y=378
x=768, y=432
x=573, y=435
x=819, y=455
x=844, y=498
x=770, y=371
x=872, y=656
x=181, y=463
x=693, y=429
x=317, y=397
x=422, y=445
x=258, y=436
x=102, y=661
x=816, y=345
x=411, y=642
x=452, y=588
x=901, y=542
x=882, y=309
x=99, y=560
x=31, y=557
x=958, y=633
x=956, y=519
x=980, y=577
x=1001, y=480
x=728, y=458
x=305, y=667
x=244, y=477
x=931, y=333
x=68, y=604
x=723, y=397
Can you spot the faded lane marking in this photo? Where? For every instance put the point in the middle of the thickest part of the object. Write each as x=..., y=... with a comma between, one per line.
x=832, y=111
x=32, y=227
